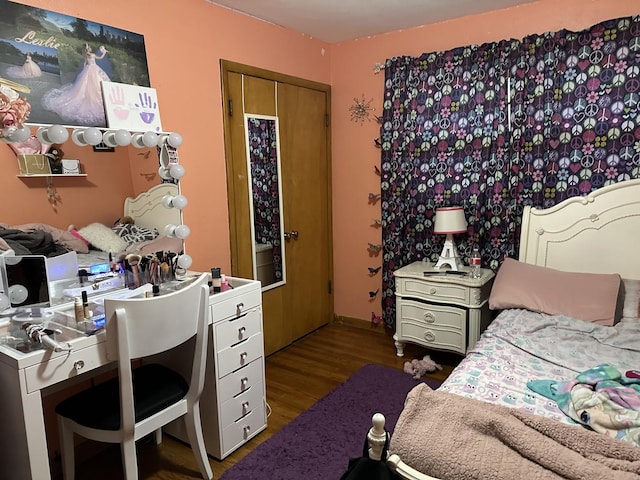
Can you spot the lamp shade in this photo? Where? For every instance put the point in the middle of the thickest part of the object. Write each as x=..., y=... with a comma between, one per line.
x=450, y=220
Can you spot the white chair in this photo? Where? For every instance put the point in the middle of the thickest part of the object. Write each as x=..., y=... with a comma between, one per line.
x=142, y=400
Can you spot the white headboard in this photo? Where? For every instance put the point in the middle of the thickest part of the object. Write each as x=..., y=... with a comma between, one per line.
x=598, y=233
x=147, y=209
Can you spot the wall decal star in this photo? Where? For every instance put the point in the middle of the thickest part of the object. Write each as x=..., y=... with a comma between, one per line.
x=361, y=110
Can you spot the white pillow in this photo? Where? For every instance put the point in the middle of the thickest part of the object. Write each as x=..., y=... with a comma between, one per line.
x=103, y=238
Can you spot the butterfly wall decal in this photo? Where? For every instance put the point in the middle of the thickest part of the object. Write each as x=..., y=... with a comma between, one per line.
x=375, y=319
x=373, y=293
x=373, y=271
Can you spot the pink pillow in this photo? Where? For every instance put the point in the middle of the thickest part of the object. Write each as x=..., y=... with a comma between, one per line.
x=586, y=296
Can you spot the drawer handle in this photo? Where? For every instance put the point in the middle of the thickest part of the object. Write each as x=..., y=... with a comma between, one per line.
x=432, y=291
x=239, y=308
x=243, y=382
x=245, y=408
x=241, y=331
x=78, y=365
x=246, y=431
x=429, y=317
x=243, y=357
x=429, y=336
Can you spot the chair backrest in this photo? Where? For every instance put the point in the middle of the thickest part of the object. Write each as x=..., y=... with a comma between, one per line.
x=140, y=327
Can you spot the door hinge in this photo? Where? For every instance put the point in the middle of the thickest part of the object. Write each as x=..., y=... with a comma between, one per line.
x=326, y=119
x=230, y=108
x=330, y=287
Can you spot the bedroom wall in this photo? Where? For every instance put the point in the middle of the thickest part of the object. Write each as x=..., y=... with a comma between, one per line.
x=184, y=41
x=354, y=152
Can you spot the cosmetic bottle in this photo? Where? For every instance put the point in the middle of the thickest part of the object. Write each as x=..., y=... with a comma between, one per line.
x=155, y=290
x=210, y=283
x=215, y=278
x=224, y=283
x=78, y=310
x=85, y=305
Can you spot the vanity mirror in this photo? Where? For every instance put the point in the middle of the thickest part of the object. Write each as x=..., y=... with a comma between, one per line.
x=263, y=165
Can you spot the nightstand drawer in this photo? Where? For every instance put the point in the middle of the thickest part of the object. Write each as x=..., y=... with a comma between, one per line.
x=427, y=315
x=434, y=336
x=433, y=291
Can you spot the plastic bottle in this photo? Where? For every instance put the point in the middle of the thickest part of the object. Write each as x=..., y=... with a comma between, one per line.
x=475, y=262
x=78, y=309
x=217, y=282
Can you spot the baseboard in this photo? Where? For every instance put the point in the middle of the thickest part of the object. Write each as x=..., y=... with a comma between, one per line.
x=381, y=328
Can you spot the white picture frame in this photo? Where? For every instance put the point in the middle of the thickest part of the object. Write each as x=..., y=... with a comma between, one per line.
x=131, y=107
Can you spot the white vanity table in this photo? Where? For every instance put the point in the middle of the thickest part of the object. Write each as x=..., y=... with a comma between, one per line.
x=233, y=404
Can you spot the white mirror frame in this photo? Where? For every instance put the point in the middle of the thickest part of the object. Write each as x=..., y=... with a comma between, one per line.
x=283, y=280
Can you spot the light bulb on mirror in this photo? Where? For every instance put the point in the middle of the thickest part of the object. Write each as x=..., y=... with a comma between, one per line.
x=149, y=139
x=177, y=171
x=18, y=293
x=21, y=134
x=87, y=136
x=116, y=138
x=122, y=137
x=109, y=139
x=169, y=230
x=167, y=201
x=58, y=134
x=185, y=261
x=174, y=139
x=179, y=202
x=164, y=173
x=182, y=231
x=52, y=134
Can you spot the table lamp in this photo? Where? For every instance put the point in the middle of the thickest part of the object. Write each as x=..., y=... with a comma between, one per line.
x=449, y=220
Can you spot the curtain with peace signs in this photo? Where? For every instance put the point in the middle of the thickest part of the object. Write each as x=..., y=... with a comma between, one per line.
x=498, y=126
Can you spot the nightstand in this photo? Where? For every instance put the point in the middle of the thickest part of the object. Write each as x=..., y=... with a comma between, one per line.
x=445, y=311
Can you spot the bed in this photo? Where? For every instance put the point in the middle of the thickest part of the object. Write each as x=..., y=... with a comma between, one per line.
x=143, y=233
x=512, y=406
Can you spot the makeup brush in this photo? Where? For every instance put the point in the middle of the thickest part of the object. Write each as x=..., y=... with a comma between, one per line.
x=134, y=259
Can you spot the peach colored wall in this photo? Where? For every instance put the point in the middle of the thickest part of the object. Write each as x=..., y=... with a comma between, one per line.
x=184, y=41
x=354, y=153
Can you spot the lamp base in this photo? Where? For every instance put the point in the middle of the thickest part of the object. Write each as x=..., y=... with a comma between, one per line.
x=449, y=256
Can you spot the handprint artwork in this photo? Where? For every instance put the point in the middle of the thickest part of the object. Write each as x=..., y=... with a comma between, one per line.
x=147, y=108
x=116, y=98
x=131, y=107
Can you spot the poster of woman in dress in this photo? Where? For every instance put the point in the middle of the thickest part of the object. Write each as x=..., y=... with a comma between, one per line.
x=62, y=60
x=30, y=69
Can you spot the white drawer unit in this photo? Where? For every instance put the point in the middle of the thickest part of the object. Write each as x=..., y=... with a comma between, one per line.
x=441, y=311
x=233, y=404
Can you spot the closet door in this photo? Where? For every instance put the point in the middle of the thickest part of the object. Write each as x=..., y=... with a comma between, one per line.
x=303, y=137
x=305, y=301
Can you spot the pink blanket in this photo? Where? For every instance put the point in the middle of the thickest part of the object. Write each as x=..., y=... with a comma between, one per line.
x=453, y=437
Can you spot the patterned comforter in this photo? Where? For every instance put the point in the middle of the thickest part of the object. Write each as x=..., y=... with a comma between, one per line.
x=520, y=346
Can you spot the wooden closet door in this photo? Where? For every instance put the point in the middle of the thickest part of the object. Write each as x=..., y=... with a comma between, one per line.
x=305, y=302
x=305, y=172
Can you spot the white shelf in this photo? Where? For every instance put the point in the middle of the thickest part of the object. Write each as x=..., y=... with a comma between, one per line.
x=36, y=175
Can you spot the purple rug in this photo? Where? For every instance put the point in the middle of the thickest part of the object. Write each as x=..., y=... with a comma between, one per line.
x=319, y=443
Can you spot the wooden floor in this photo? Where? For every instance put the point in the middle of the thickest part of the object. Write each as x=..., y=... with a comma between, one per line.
x=296, y=377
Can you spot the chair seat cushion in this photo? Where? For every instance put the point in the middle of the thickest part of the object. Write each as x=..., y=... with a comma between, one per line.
x=155, y=388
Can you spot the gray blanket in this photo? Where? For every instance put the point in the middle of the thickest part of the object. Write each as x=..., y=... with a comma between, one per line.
x=453, y=437
x=33, y=242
